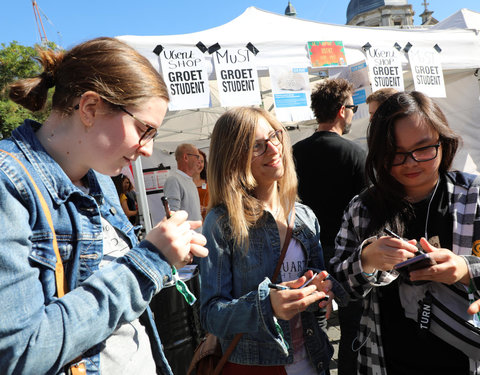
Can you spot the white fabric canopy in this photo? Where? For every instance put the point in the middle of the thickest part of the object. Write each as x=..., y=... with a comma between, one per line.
x=282, y=40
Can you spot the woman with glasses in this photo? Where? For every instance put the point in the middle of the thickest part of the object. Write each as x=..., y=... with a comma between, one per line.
x=413, y=194
x=253, y=188
x=107, y=106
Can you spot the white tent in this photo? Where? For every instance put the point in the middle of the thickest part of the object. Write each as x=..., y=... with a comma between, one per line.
x=282, y=40
x=463, y=19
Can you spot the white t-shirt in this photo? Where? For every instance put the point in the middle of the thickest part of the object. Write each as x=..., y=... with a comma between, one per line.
x=127, y=350
x=293, y=267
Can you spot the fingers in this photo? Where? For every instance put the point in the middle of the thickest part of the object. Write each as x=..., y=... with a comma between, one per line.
x=287, y=303
x=474, y=307
x=195, y=224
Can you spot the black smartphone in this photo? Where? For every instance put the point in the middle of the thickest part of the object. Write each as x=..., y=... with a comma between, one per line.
x=416, y=263
x=168, y=213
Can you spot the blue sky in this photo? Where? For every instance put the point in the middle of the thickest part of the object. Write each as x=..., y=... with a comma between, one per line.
x=70, y=22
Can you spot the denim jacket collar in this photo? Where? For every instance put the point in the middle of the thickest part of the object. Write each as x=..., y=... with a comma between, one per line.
x=47, y=168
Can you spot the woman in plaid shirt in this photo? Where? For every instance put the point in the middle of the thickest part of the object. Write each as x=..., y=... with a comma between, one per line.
x=411, y=148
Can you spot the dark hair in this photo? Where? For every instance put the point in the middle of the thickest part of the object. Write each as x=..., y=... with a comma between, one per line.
x=203, y=173
x=386, y=199
x=328, y=98
x=107, y=66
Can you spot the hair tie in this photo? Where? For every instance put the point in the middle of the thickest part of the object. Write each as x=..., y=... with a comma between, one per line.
x=49, y=79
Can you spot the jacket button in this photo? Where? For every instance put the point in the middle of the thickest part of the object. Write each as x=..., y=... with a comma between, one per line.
x=320, y=365
x=113, y=210
x=309, y=332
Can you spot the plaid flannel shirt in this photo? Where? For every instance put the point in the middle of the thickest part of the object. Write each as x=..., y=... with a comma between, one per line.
x=464, y=198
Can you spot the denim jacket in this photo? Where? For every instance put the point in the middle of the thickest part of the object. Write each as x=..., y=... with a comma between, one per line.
x=40, y=333
x=235, y=294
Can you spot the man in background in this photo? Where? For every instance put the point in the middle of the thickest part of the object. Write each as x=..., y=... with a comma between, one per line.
x=331, y=171
x=179, y=188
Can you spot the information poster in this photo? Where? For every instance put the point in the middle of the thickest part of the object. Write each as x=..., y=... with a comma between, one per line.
x=385, y=67
x=357, y=74
x=185, y=75
x=427, y=71
x=327, y=53
x=291, y=93
x=237, y=77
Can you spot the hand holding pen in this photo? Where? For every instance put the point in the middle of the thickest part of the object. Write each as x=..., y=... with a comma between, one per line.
x=298, y=294
x=176, y=240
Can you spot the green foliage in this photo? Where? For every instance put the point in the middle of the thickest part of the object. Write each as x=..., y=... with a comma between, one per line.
x=16, y=62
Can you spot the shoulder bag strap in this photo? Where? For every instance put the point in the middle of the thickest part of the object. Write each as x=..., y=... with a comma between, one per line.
x=238, y=336
x=59, y=272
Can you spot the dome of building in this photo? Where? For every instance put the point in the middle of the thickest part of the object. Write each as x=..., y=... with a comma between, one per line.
x=356, y=7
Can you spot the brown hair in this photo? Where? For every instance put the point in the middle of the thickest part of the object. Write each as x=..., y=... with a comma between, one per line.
x=230, y=179
x=381, y=95
x=328, y=98
x=107, y=66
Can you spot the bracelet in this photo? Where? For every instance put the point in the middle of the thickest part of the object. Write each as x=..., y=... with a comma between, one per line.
x=369, y=274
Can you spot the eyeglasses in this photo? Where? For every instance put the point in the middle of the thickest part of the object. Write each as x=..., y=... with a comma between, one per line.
x=419, y=155
x=195, y=156
x=353, y=107
x=148, y=135
x=260, y=146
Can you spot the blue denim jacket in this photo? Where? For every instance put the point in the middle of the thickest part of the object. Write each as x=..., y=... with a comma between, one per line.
x=235, y=294
x=39, y=333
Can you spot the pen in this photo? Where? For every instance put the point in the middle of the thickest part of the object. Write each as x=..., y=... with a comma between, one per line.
x=278, y=287
x=168, y=213
x=391, y=234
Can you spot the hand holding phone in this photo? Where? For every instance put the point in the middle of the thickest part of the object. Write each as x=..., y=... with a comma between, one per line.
x=416, y=263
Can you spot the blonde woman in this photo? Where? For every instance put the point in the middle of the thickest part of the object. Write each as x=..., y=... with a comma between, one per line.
x=253, y=188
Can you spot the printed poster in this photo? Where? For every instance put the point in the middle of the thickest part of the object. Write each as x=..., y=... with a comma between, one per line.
x=185, y=74
x=357, y=74
x=427, y=71
x=237, y=77
x=327, y=53
x=385, y=67
x=291, y=93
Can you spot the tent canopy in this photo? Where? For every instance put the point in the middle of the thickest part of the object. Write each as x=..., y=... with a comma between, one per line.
x=282, y=40
x=463, y=19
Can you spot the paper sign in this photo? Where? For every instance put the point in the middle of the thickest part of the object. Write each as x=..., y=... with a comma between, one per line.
x=185, y=75
x=330, y=53
x=385, y=68
x=237, y=77
x=427, y=71
x=291, y=93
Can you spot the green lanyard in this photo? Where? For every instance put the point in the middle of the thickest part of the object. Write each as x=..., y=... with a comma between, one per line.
x=183, y=288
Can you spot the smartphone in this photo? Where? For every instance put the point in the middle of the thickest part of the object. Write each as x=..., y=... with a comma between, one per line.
x=168, y=213
x=416, y=263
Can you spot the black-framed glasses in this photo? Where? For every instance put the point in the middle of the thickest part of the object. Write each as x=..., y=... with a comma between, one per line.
x=421, y=154
x=195, y=156
x=148, y=135
x=260, y=145
x=353, y=107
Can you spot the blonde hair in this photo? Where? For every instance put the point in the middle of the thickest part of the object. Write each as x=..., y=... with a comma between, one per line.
x=107, y=66
x=230, y=179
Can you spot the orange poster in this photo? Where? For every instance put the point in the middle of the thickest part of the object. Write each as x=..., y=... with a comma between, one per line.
x=327, y=54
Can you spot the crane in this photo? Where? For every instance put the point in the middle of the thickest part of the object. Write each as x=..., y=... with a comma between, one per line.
x=38, y=20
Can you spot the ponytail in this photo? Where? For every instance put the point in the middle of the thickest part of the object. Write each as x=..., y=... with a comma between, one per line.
x=32, y=93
